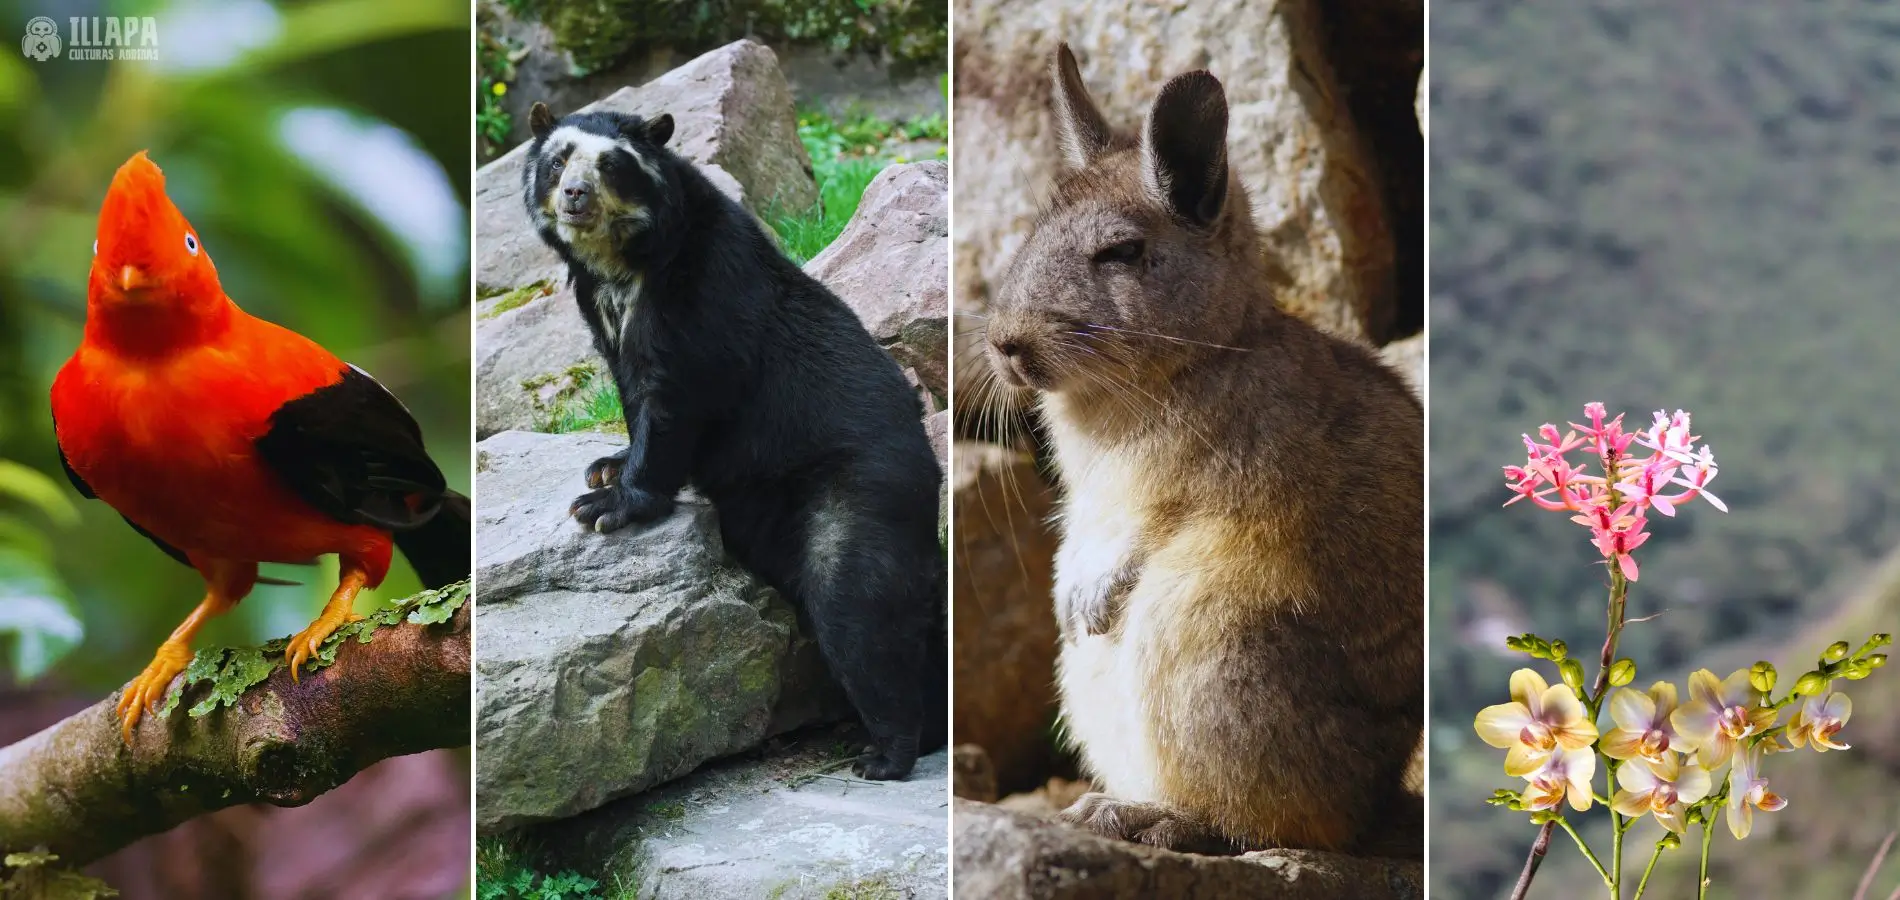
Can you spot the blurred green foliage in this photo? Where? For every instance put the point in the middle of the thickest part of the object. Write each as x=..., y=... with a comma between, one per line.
x=598, y=33
x=1663, y=205
x=311, y=147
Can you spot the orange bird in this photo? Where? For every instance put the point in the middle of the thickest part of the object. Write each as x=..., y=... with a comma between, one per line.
x=230, y=441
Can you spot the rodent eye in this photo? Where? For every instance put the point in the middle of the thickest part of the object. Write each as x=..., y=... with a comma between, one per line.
x=1128, y=252
x=191, y=244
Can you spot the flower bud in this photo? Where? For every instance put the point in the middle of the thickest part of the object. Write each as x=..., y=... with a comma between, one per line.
x=1835, y=652
x=1559, y=650
x=1545, y=816
x=1622, y=672
x=1669, y=841
x=1762, y=676
x=1572, y=672
x=1876, y=661
x=1881, y=640
x=1811, y=684
x=1695, y=817
x=1856, y=670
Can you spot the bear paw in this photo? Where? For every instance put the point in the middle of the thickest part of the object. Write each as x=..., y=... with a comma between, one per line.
x=605, y=471
x=879, y=764
x=611, y=508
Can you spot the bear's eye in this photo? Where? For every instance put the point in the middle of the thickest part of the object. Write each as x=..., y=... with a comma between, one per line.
x=556, y=164
x=191, y=243
x=1125, y=252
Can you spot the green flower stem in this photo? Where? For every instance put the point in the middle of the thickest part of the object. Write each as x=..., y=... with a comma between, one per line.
x=1616, y=855
x=1702, y=872
x=1653, y=856
x=1592, y=857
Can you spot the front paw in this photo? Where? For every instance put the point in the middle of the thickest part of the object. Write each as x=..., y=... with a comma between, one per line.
x=1090, y=608
x=605, y=471
x=1084, y=610
x=1155, y=824
x=610, y=508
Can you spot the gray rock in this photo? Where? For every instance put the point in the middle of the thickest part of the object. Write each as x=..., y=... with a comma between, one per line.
x=937, y=428
x=1004, y=855
x=612, y=663
x=1313, y=179
x=526, y=359
x=749, y=828
x=733, y=116
x=891, y=266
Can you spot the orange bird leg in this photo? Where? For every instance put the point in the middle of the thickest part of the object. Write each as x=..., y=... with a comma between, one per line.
x=226, y=583
x=336, y=613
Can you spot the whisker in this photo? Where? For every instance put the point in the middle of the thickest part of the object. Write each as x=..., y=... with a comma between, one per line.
x=1166, y=337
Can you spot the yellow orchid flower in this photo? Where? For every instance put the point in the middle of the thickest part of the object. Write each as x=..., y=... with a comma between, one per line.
x=1642, y=723
x=1719, y=715
x=1662, y=789
x=1540, y=719
x=1565, y=774
x=1748, y=790
x=1817, y=720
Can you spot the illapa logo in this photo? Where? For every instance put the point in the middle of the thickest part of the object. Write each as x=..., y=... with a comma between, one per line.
x=93, y=38
x=42, y=39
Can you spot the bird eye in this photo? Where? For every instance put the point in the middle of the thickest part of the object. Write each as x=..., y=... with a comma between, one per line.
x=191, y=244
x=1125, y=252
x=95, y=246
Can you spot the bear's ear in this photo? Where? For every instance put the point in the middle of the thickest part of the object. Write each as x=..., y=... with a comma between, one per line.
x=658, y=130
x=540, y=120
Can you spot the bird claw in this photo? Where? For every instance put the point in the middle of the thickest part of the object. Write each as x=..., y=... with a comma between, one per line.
x=148, y=690
x=307, y=642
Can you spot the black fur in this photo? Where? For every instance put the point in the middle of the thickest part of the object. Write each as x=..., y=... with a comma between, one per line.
x=747, y=378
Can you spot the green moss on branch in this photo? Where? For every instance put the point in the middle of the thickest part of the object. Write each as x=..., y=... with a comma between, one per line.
x=393, y=684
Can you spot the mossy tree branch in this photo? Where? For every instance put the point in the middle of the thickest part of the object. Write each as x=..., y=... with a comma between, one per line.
x=399, y=684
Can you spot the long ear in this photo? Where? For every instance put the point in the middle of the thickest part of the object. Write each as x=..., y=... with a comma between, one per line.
x=1184, y=148
x=1080, y=127
x=540, y=120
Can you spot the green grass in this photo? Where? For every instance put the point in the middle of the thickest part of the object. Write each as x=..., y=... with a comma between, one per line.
x=845, y=155
x=593, y=405
x=518, y=298
x=505, y=871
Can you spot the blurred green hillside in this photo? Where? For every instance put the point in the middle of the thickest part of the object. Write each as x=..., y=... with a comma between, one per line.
x=322, y=151
x=1662, y=205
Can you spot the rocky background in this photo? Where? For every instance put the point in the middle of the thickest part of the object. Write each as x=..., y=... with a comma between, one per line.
x=1324, y=132
x=642, y=678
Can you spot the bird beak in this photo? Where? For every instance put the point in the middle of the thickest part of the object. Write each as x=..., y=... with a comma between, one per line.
x=132, y=278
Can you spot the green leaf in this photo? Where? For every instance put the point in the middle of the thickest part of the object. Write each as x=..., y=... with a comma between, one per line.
x=38, y=490
x=36, y=610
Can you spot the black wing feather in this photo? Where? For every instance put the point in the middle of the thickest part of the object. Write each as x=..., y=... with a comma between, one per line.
x=355, y=453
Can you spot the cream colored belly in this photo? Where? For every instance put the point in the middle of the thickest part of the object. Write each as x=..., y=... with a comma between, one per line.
x=1100, y=675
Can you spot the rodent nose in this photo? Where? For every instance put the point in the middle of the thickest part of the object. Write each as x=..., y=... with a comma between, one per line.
x=1007, y=346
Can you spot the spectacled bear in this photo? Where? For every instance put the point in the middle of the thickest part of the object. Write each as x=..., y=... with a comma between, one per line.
x=745, y=377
